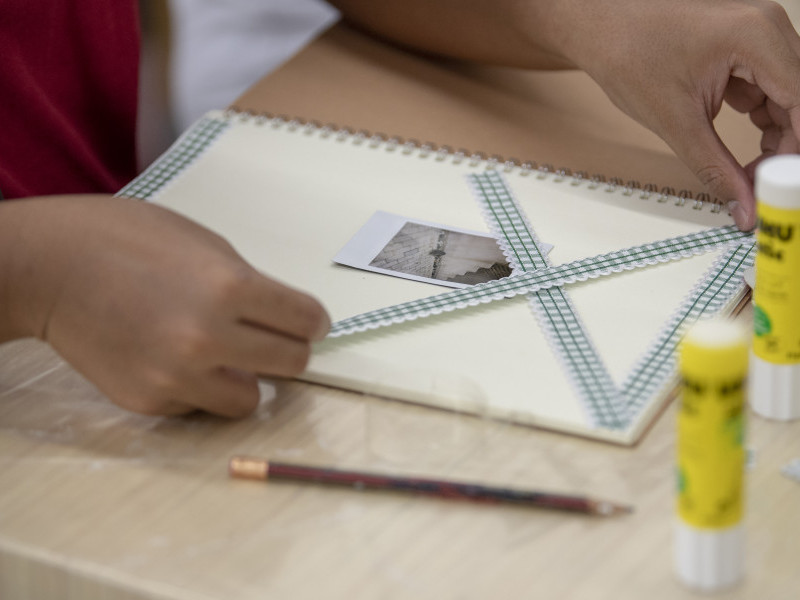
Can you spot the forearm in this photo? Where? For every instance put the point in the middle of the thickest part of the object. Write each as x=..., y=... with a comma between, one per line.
x=40, y=241
x=20, y=268
x=519, y=33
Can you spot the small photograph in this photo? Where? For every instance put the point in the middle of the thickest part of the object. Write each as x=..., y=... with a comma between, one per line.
x=449, y=256
x=422, y=251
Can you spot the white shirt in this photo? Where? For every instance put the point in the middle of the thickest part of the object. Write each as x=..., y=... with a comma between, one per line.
x=221, y=47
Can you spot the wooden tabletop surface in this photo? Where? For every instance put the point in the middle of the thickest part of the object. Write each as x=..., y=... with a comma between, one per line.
x=99, y=503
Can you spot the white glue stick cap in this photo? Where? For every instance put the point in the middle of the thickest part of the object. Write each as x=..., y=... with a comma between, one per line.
x=708, y=560
x=778, y=181
x=774, y=390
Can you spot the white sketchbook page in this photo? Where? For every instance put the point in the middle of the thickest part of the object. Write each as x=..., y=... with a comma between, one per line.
x=289, y=200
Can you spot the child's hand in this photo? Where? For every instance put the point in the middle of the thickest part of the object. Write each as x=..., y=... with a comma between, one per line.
x=160, y=313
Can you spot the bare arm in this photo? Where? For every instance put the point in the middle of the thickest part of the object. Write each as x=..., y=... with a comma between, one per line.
x=503, y=32
x=669, y=65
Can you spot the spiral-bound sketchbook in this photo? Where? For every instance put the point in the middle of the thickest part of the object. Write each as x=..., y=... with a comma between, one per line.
x=581, y=339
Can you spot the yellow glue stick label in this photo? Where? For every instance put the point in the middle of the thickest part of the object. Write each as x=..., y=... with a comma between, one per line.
x=776, y=297
x=711, y=435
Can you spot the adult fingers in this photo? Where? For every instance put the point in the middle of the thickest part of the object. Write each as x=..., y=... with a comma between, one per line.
x=769, y=115
x=775, y=68
x=778, y=135
x=692, y=136
x=760, y=117
x=779, y=16
x=778, y=115
x=742, y=96
x=777, y=140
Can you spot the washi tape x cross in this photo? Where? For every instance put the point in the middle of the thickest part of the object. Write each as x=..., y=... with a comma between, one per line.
x=606, y=404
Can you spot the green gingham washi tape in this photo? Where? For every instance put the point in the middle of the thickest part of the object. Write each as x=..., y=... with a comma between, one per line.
x=552, y=307
x=534, y=281
x=186, y=150
x=714, y=291
x=606, y=405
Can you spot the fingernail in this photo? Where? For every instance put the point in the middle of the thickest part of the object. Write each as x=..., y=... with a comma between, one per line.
x=739, y=214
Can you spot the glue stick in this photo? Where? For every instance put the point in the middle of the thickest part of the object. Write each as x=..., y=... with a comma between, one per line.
x=709, y=537
x=775, y=371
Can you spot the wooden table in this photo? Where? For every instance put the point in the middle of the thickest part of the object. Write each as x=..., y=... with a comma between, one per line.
x=99, y=503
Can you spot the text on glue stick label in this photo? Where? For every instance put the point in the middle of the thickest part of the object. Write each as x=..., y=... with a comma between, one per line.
x=776, y=297
x=711, y=453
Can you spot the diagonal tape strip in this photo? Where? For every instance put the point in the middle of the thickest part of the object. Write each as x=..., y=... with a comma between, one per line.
x=553, y=309
x=185, y=151
x=710, y=295
x=604, y=402
x=533, y=281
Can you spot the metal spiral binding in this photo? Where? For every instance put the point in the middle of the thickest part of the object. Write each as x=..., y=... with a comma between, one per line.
x=444, y=153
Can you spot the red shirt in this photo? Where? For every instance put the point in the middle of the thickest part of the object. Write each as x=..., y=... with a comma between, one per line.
x=69, y=76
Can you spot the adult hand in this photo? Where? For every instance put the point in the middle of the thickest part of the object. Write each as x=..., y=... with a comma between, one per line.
x=162, y=315
x=670, y=65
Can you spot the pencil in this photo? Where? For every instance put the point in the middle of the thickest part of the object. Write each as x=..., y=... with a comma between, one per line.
x=246, y=467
